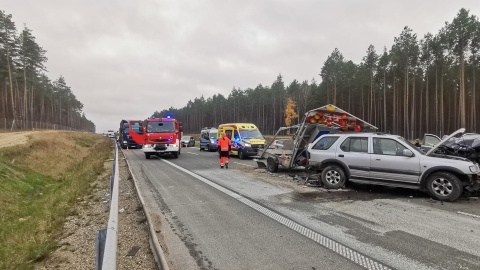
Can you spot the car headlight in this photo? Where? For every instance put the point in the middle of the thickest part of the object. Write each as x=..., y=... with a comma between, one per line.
x=212, y=141
x=474, y=168
x=124, y=141
x=247, y=145
x=148, y=146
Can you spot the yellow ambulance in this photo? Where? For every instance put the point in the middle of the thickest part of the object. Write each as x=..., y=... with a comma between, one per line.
x=246, y=138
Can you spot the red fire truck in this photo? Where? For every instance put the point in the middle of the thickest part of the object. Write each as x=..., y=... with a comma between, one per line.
x=157, y=136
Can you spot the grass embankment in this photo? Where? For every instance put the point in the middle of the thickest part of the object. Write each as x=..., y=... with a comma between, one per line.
x=39, y=183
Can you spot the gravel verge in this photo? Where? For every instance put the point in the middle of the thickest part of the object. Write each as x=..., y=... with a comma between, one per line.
x=76, y=246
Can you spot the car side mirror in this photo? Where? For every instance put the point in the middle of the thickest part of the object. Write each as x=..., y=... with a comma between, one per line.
x=407, y=153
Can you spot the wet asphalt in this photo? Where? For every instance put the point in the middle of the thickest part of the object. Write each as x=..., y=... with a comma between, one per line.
x=242, y=218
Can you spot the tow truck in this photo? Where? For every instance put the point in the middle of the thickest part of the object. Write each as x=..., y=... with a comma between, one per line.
x=319, y=121
x=158, y=136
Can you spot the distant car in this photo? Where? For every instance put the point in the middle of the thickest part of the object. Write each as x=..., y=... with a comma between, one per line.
x=187, y=141
x=111, y=134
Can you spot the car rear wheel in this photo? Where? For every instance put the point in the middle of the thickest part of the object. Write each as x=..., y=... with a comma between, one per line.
x=147, y=155
x=444, y=186
x=333, y=177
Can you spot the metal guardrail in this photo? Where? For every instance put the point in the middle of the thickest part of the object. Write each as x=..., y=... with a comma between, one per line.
x=106, y=239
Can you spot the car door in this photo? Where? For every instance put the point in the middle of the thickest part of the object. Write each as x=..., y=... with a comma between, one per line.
x=388, y=162
x=353, y=151
x=429, y=141
x=135, y=129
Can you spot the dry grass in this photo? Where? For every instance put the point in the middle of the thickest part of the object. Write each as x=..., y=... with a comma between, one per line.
x=39, y=183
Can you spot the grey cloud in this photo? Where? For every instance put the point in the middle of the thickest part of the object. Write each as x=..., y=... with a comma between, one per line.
x=126, y=59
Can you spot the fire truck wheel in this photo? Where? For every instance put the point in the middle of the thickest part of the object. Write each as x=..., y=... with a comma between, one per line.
x=147, y=155
x=175, y=154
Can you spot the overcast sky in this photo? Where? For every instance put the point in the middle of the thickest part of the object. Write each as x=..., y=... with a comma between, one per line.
x=127, y=59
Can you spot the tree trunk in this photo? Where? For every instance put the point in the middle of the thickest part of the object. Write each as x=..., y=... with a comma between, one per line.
x=441, y=116
x=474, y=98
x=437, y=131
x=427, y=100
x=413, y=122
x=25, y=98
x=11, y=90
x=384, y=101
x=462, y=91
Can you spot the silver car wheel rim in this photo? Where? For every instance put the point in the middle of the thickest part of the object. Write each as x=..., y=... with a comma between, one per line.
x=442, y=187
x=332, y=177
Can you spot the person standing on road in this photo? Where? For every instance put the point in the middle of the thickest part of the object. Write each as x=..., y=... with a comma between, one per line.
x=224, y=145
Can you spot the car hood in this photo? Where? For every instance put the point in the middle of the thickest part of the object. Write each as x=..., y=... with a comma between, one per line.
x=431, y=151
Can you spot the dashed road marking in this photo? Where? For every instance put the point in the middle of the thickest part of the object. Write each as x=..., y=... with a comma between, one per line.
x=468, y=214
x=346, y=252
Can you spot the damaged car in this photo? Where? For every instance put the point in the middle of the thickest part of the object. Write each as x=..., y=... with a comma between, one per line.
x=391, y=160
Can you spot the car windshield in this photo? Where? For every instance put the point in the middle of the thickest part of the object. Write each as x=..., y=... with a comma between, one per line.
x=160, y=127
x=251, y=134
x=213, y=135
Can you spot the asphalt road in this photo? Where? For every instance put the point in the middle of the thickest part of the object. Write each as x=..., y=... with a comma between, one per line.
x=240, y=218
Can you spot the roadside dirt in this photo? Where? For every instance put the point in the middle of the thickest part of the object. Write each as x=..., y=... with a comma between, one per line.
x=14, y=138
x=77, y=244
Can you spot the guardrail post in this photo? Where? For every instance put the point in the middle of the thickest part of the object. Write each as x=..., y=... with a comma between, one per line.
x=100, y=238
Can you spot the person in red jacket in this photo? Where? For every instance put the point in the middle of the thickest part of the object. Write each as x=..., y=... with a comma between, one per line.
x=224, y=145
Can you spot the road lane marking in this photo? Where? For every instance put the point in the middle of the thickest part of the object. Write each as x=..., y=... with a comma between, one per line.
x=467, y=214
x=191, y=153
x=346, y=252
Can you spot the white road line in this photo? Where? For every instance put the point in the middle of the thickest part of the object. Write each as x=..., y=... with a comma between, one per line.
x=192, y=153
x=244, y=164
x=467, y=214
x=352, y=255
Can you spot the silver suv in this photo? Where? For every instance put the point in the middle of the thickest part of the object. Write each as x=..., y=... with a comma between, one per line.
x=390, y=160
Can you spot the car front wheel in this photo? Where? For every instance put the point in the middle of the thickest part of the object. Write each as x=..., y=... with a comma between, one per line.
x=333, y=177
x=241, y=154
x=444, y=186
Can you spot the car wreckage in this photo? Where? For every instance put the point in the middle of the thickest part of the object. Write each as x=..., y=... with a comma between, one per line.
x=465, y=146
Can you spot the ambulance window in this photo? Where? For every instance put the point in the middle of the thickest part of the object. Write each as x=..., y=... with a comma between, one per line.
x=236, y=137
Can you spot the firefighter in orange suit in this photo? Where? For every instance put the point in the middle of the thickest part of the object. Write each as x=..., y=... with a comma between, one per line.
x=224, y=145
